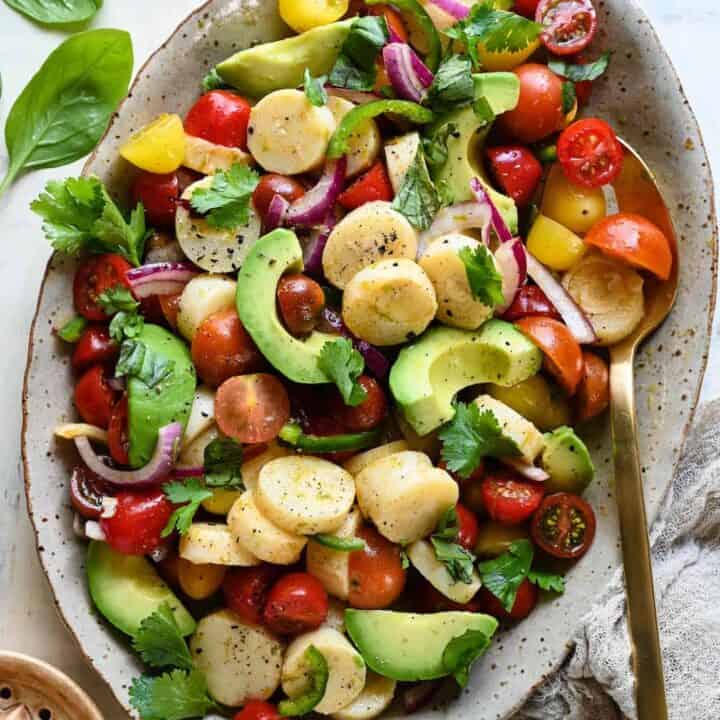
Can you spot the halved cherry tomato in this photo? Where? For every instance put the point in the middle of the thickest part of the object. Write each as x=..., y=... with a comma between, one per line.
x=170, y=306
x=530, y=300
x=296, y=603
x=94, y=399
x=138, y=521
x=563, y=356
x=525, y=601
x=301, y=301
x=564, y=526
x=593, y=393
x=95, y=346
x=509, y=499
x=118, y=441
x=257, y=710
x=159, y=195
x=376, y=574
x=86, y=492
x=370, y=412
x=569, y=25
x=526, y=8
x=252, y=408
x=372, y=185
x=273, y=184
x=394, y=21
x=94, y=276
x=589, y=153
x=221, y=117
x=467, y=527
x=516, y=170
x=246, y=591
x=635, y=240
x=222, y=348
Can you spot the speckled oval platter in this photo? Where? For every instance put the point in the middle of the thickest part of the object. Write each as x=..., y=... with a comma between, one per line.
x=641, y=96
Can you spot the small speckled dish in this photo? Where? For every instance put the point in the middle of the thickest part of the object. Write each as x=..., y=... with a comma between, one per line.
x=642, y=97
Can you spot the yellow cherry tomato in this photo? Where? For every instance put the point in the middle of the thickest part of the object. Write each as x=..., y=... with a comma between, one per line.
x=495, y=539
x=199, y=581
x=577, y=208
x=159, y=147
x=302, y=15
x=554, y=245
x=537, y=400
x=502, y=61
x=221, y=501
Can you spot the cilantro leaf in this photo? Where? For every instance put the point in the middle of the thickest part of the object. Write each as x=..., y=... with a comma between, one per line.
x=568, y=96
x=482, y=274
x=458, y=561
x=470, y=436
x=580, y=73
x=461, y=652
x=223, y=461
x=355, y=66
x=418, y=198
x=343, y=365
x=503, y=575
x=73, y=329
x=126, y=325
x=547, y=581
x=317, y=675
x=176, y=695
x=226, y=202
x=139, y=361
x=315, y=89
x=159, y=641
x=452, y=86
x=117, y=298
x=190, y=495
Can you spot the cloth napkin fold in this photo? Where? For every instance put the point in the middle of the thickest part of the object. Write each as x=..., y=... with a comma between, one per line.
x=595, y=683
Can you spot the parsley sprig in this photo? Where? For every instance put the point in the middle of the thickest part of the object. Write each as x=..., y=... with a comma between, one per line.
x=189, y=495
x=159, y=641
x=482, y=274
x=226, y=202
x=176, y=695
x=343, y=365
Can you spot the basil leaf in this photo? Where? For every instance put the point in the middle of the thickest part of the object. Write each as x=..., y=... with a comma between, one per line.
x=452, y=86
x=355, y=67
x=56, y=12
x=461, y=652
x=65, y=108
x=139, y=361
x=581, y=73
x=222, y=460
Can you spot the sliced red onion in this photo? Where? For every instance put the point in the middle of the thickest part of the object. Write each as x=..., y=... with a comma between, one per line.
x=512, y=262
x=93, y=531
x=409, y=76
x=528, y=471
x=313, y=207
x=496, y=219
x=354, y=96
x=456, y=218
x=164, y=278
x=569, y=310
x=276, y=212
x=453, y=7
x=314, y=246
x=188, y=472
x=157, y=470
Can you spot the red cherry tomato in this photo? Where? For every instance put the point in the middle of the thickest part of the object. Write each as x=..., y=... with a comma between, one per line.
x=564, y=526
x=477, y=474
x=273, y=184
x=370, y=412
x=593, y=393
x=569, y=25
x=467, y=527
x=118, y=441
x=373, y=185
x=376, y=574
x=94, y=399
x=394, y=21
x=94, y=276
x=516, y=170
x=530, y=300
x=139, y=519
x=95, y=346
x=589, y=153
x=170, y=306
x=246, y=591
x=296, y=603
x=159, y=195
x=257, y=710
x=221, y=117
x=525, y=601
x=300, y=301
x=526, y=8
x=86, y=492
x=635, y=240
x=508, y=499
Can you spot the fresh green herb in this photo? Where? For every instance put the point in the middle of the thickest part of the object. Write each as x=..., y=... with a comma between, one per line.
x=223, y=462
x=64, y=110
x=472, y=435
x=355, y=67
x=418, y=199
x=503, y=575
x=177, y=695
x=226, y=203
x=547, y=581
x=126, y=325
x=138, y=361
x=317, y=674
x=435, y=146
x=79, y=215
x=482, y=274
x=315, y=89
x=404, y=560
x=343, y=365
x=458, y=561
x=452, y=86
x=160, y=643
x=213, y=81
x=56, y=12
x=341, y=544
x=72, y=330
x=117, y=298
x=449, y=525
x=497, y=30
x=189, y=494
x=461, y=652
x=580, y=73
x=568, y=96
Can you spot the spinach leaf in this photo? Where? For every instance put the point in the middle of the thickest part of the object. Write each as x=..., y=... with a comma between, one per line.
x=56, y=12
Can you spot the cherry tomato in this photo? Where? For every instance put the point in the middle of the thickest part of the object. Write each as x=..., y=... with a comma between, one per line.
x=95, y=346
x=509, y=499
x=257, y=710
x=376, y=574
x=252, y=408
x=530, y=300
x=526, y=8
x=516, y=170
x=273, y=184
x=220, y=117
x=372, y=185
x=222, y=348
x=539, y=111
x=159, y=195
x=151, y=310
x=525, y=602
x=564, y=526
x=86, y=492
x=94, y=276
x=589, y=153
x=593, y=393
x=170, y=306
x=563, y=356
x=94, y=398
x=246, y=590
x=394, y=21
x=569, y=25
x=635, y=240
x=371, y=411
x=301, y=302
x=296, y=603
x=138, y=521
x=467, y=527
x=477, y=474
x=118, y=441
x=432, y=600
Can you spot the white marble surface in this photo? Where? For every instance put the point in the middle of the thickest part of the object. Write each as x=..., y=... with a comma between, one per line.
x=28, y=622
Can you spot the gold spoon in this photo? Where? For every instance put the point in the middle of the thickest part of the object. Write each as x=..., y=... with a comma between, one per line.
x=636, y=191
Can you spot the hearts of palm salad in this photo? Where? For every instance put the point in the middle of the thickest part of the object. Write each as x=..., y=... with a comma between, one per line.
x=331, y=356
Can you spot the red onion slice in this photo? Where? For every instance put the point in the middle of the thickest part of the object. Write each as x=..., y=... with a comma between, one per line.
x=456, y=218
x=528, y=471
x=314, y=247
x=511, y=259
x=163, y=278
x=276, y=213
x=157, y=470
x=409, y=76
x=313, y=207
x=571, y=313
x=453, y=7
x=496, y=219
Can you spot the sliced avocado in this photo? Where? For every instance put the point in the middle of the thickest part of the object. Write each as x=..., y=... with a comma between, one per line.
x=150, y=408
x=500, y=89
x=407, y=646
x=429, y=373
x=567, y=460
x=259, y=70
x=126, y=589
x=268, y=260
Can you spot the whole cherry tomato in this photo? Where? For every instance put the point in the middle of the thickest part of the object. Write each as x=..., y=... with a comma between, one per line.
x=94, y=276
x=370, y=412
x=516, y=170
x=246, y=591
x=159, y=195
x=118, y=441
x=273, y=184
x=509, y=499
x=593, y=393
x=220, y=117
x=525, y=601
x=296, y=603
x=301, y=301
x=564, y=526
x=372, y=185
x=257, y=710
x=94, y=398
x=589, y=153
x=94, y=346
x=569, y=25
x=467, y=527
x=530, y=300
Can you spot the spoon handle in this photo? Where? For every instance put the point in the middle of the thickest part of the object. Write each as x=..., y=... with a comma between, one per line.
x=642, y=616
